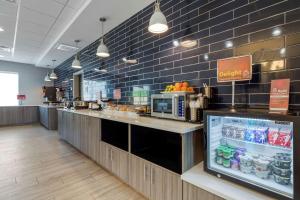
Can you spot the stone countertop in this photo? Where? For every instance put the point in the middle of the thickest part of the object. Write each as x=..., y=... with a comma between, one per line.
x=50, y=106
x=133, y=118
x=19, y=106
x=220, y=187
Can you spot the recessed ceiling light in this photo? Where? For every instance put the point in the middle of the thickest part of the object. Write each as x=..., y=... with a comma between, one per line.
x=176, y=43
x=206, y=57
x=283, y=51
x=1, y=29
x=276, y=32
x=228, y=44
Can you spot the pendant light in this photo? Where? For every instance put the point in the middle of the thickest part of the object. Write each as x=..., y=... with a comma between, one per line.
x=158, y=22
x=53, y=75
x=76, y=62
x=101, y=69
x=127, y=59
x=102, y=50
x=47, y=78
x=188, y=41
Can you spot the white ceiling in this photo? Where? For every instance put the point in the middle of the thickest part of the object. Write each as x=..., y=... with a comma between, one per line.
x=34, y=28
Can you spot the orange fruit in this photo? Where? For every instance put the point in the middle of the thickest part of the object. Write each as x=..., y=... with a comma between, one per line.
x=185, y=84
x=178, y=85
x=184, y=88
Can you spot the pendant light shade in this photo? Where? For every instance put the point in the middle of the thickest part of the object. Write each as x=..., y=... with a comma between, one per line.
x=102, y=50
x=76, y=62
x=47, y=78
x=158, y=22
x=188, y=40
x=53, y=75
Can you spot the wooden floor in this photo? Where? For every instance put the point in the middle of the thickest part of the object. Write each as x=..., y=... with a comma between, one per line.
x=35, y=164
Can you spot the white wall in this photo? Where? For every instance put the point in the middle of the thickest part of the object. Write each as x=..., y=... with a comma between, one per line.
x=31, y=80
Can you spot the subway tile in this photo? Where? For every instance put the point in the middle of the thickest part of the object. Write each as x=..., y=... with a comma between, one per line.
x=186, y=77
x=263, y=24
x=187, y=61
x=252, y=7
x=218, y=37
x=293, y=39
x=293, y=15
x=293, y=63
x=195, y=67
x=248, y=24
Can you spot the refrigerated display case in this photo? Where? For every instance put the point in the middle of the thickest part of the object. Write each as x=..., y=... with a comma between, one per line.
x=255, y=149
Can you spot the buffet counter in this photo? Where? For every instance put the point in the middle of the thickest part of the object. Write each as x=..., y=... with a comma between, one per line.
x=134, y=119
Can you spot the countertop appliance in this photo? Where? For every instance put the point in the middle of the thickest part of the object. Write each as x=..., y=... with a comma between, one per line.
x=256, y=149
x=170, y=106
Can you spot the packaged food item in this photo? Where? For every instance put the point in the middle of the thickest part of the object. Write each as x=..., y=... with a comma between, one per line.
x=246, y=160
x=283, y=160
x=261, y=164
x=219, y=150
x=219, y=160
x=282, y=180
x=238, y=152
x=226, y=163
x=261, y=135
x=227, y=153
x=281, y=172
x=282, y=137
x=249, y=135
x=246, y=169
x=234, y=164
x=226, y=130
x=263, y=174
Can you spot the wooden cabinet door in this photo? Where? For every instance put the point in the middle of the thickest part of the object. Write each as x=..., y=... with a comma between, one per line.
x=123, y=166
x=60, y=123
x=76, y=123
x=106, y=157
x=93, y=137
x=156, y=178
x=69, y=128
x=191, y=192
x=84, y=136
x=172, y=186
x=119, y=163
x=139, y=175
x=98, y=144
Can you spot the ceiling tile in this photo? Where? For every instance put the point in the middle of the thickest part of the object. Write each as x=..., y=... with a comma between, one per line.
x=32, y=16
x=47, y=7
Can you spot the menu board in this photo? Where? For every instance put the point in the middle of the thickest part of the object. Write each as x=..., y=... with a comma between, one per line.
x=279, y=95
x=235, y=69
x=117, y=94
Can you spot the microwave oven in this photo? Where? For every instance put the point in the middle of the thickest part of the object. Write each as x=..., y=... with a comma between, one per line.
x=170, y=106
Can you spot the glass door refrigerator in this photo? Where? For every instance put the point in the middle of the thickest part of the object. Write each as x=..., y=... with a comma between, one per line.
x=255, y=149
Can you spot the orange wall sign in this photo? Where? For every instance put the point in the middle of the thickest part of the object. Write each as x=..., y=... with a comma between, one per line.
x=234, y=69
x=279, y=95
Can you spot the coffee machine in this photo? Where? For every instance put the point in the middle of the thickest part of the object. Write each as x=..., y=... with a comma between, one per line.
x=200, y=102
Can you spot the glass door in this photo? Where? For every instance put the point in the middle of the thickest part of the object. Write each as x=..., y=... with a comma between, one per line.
x=256, y=151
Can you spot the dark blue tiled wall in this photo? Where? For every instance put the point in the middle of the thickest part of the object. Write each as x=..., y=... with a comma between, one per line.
x=247, y=23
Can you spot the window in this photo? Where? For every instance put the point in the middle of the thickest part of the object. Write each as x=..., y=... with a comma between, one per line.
x=9, y=88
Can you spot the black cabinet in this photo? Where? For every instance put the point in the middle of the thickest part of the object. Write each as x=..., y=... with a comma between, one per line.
x=115, y=133
x=160, y=147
